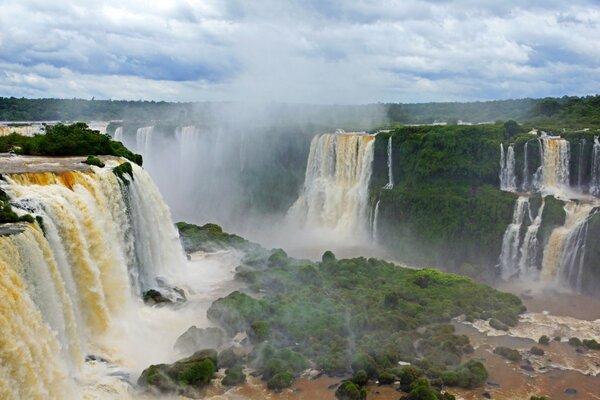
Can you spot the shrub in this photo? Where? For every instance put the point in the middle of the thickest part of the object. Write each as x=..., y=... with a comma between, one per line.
x=386, y=378
x=575, y=341
x=591, y=344
x=123, y=169
x=350, y=391
x=360, y=378
x=234, y=376
x=281, y=381
x=498, y=325
x=545, y=340
x=260, y=330
x=508, y=353
x=93, y=160
x=197, y=373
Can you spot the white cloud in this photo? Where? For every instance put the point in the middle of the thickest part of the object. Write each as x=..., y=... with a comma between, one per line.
x=299, y=51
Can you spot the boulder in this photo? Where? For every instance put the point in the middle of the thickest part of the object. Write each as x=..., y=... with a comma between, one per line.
x=199, y=338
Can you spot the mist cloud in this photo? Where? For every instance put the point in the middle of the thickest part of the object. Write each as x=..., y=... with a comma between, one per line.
x=299, y=51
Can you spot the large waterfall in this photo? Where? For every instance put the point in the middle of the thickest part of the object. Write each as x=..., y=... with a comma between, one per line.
x=555, y=163
x=564, y=255
x=143, y=141
x=65, y=281
x=390, y=184
x=511, y=242
x=595, y=173
x=508, y=179
x=336, y=186
x=119, y=134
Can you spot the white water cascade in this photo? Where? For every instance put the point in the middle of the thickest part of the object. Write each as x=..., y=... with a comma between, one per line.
x=565, y=252
x=555, y=163
x=143, y=141
x=595, y=173
x=390, y=184
x=119, y=134
x=525, y=185
x=336, y=186
x=511, y=241
x=528, y=253
x=64, y=286
x=582, y=144
x=508, y=179
x=374, y=223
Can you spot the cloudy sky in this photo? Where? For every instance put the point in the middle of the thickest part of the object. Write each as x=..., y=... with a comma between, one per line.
x=316, y=51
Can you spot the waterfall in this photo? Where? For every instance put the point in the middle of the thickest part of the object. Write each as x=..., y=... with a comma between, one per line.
x=511, y=241
x=143, y=141
x=119, y=134
x=336, y=186
x=374, y=224
x=102, y=242
x=580, y=166
x=528, y=263
x=565, y=252
x=508, y=179
x=555, y=163
x=595, y=173
x=390, y=184
x=525, y=167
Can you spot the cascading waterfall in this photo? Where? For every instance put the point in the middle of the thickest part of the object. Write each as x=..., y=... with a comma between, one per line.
x=555, y=163
x=103, y=240
x=528, y=262
x=511, y=241
x=508, y=179
x=582, y=143
x=595, y=173
x=143, y=141
x=565, y=252
x=336, y=186
x=374, y=224
x=119, y=134
x=390, y=184
x=526, y=167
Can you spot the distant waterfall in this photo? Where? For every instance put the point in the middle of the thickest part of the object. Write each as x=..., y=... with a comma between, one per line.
x=582, y=143
x=102, y=242
x=336, y=186
x=525, y=185
x=374, y=224
x=528, y=254
x=508, y=179
x=511, y=241
x=118, y=134
x=565, y=252
x=555, y=163
x=595, y=173
x=390, y=184
x=143, y=141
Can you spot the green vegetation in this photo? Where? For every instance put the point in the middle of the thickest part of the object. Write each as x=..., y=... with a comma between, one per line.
x=121, y=170
x=446, y=208
x=234, y=376
x=349, y=390
x=545, y=340
x=93, y=160
x=363, y=313
x=7, y=215
x=186, y=376
x=209, y=237
x=67, y=140
x=508, y=353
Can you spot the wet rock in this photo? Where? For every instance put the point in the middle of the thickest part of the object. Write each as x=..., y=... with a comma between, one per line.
x=333, y=386
x=571, y=391
x=486, y=395
x=92, y=357
x=526, y=365
x=154, y=297
x=493, y=384
x=195, y=339
x=185, y=377
x=536, y=351
x=241, y=339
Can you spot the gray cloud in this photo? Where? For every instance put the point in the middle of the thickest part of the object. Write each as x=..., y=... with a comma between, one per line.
x=299, y=51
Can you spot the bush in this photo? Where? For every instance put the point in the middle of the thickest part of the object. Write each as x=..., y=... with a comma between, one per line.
x=591, y=344
x=228, y=358
x=234, y=376
x=575, y=341
x=386, y=378
x=471, y=374
x=408, y=374
x=360, y=378
x=123, y=169
x=350, y=391
x=280, y=381
x=508, y=353
x=92, y=160
x=198, y=373
x=260, y=330
x=498, y=325
x=545, y=340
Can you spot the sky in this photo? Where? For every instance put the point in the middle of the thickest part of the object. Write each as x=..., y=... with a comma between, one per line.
x=311, y=51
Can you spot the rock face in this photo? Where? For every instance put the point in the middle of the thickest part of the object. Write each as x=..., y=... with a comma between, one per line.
x=185, y=377
x=199, y=338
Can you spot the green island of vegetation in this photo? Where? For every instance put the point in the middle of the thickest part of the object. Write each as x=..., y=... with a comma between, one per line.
x=365, y=320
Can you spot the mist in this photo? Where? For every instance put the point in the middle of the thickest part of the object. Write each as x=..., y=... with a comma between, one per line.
x=243, y=166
